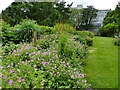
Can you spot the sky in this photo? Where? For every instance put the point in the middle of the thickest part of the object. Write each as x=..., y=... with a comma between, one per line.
x=98, y=4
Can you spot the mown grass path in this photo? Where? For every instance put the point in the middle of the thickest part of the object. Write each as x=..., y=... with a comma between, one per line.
x=102, y=63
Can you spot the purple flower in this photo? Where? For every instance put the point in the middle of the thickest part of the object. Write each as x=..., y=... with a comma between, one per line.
x=4, y=77
x=27, y=52
x=11, y=71
x=57, y=72
x=42, y=58
x=10, y=81
x=38, y=59
x=38, y=51
x=32, y=82
x=19, y=87
x=11, y=63
x=19, y=80
x=35, y=65
x=64, y=73
x=71, y=76
x=74, y=69
x=0, y=76
x=16, y=65
x=36, y=69
x=63, y=62
x=18, y=70
x=14, y=51
x=22, y=61
x=23, y=79
x=32, y=60
x=53, y=57
x=15, y=85
x=52, y=60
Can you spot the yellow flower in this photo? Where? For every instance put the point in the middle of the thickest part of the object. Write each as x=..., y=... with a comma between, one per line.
x=1, y=19
x=75, y=27
x=61, y=30
x=67, y=28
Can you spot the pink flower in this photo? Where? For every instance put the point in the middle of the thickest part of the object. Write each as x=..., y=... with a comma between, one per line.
x=64, y=73
x=72, y=76
x=63, y=62
x=23, y=79
x=74, y=69
x=32, y=60
x=38, y=51
x=10, y=81
x=18, y=70
x=27, y=52
x=11, y=71
x=15, y=85
x=14, y=51
x=19, y=80
x=19, y=87
x=38, y=59
x=32, y=82
x=4, y=77
x=53, y=57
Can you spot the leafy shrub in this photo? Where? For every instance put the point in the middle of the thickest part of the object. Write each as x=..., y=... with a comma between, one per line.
x=7, y=33
x=26, y=30
x=85, y=33
x=108, y=30
x=27, y=27
x=117, y=41
x=28, y=67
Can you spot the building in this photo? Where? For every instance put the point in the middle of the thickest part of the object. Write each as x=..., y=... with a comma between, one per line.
x=80, y=6
x=99, y=19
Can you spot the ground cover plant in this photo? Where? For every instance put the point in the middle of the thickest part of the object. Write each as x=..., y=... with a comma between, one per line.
x=54, y=63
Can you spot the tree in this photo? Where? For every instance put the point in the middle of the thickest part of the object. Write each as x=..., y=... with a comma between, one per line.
x=117, y=15
x=109, y=18
x=64, y=11
x=88, y=16
x=111, y=23
x=42, y=12
x=76, y=17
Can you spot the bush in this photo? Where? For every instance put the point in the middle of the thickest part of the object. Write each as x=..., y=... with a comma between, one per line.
x=117, y=41
x=28, y=67
x=26, y=30
x=108, y=30
x=7, y=33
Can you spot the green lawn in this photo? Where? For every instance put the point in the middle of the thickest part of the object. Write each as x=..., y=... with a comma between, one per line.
x=102, y=63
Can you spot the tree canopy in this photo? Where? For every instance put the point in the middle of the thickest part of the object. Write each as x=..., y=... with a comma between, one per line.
x=42, y=12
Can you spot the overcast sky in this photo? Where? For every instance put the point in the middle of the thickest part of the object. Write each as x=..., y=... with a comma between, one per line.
x=98, y=4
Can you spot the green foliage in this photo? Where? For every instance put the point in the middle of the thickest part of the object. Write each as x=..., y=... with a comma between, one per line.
x=89, y=14
x=111, y=23
x=64, y=11
x=117, y=41
x=7, y=33
x=108, y=30
x=26, y=30
x=30, y=67
x=76, y=17
x=43, y=13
